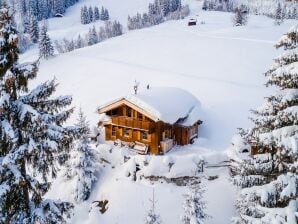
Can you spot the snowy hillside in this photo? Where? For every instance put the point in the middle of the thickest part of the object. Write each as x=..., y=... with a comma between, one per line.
x=220, y=64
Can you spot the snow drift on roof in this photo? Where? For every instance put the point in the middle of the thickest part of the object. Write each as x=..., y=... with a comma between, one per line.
x=168, y=104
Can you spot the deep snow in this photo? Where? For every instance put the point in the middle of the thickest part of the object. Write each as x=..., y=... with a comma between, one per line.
x=220, y=64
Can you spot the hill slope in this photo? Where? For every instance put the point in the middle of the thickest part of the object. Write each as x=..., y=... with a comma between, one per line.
x=220, y=64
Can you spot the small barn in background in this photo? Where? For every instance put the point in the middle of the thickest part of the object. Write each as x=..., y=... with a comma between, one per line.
x=153, y=121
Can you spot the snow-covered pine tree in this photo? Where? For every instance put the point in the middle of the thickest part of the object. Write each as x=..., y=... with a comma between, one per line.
x=240, y=17
x=46, y=49
x=278, y=17
x=194, y=206
x=165, y=7
x=294, y=13
x=107, y=15
x=31, y=137
x=92, y=36
x=205, y=5
x=104, y=14
x=270, y=179
x=83, y=16
x=117, y=29
x=86, y=15
x=33, y=29
x=58, y=7
x=83, y=164
x=96, y=13
x=152, y=216
x=79, y=42
x=91, y=14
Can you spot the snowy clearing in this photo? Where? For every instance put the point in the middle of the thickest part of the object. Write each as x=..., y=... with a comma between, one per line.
x=220, y=64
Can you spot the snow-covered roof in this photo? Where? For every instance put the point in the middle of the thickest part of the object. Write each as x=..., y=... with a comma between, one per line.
x=168, y=104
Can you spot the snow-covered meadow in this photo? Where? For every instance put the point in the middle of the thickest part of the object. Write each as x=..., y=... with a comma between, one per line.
x=220, y=64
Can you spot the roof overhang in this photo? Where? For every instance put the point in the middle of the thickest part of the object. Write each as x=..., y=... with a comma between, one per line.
x=124, y=101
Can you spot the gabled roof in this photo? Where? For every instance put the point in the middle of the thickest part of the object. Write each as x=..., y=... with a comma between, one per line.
x=167, y=104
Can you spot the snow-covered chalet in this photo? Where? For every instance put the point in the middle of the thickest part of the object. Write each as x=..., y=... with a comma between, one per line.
x=154, y=120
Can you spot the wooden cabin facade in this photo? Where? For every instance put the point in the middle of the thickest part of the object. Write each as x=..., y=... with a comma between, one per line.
x=130, y=123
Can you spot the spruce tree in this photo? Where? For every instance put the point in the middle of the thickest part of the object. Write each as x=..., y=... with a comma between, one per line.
x=278, y=17
x=205, y=5
x=96, y=13
x=83, y=164
x=91, y=14
x=46, y=49
x=269, y=179
x=92, y=36
x=83, y=21
x=194, y=206
x=107, y=14
x=31, y=137
x=153, y=217
x=86, y=15
x=33, y=29
x=240, y=17
x=79, y=42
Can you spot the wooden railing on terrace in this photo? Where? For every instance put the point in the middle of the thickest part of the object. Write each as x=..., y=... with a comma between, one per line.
x=133, y=123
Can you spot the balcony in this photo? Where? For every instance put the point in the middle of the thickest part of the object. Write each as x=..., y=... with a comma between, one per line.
x=133, y=123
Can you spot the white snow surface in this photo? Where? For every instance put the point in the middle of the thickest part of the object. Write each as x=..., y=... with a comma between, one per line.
x=219, y=64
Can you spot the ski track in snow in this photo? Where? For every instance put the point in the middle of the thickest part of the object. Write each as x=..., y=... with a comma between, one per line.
x=271, y=42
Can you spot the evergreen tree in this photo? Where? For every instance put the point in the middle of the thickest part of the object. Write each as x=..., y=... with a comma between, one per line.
x=194, y=207
x=79, y=43
x=96, y=13
x=104, y=15
x=86, y=15
x=91, y=16
x=46, y=49
x=165, y=7
x=107, y=15
x=278, y=17
x=295, y=14
x=117, y=29
x=205, y=5
x=58, y=6
x=240, y=17
x=31, y=137
x=152, y=216
x=33, y=29
x=270, y=179
x=92, y=36
x=83, y=162
x=83, y=21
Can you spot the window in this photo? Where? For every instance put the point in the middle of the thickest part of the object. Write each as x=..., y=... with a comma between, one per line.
x=126, y=132
x=113, y=131
x=144, y=135
x=129, y=112
x=140, y=116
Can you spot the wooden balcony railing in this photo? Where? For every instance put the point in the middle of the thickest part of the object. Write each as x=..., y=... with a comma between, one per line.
x=133, y=123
